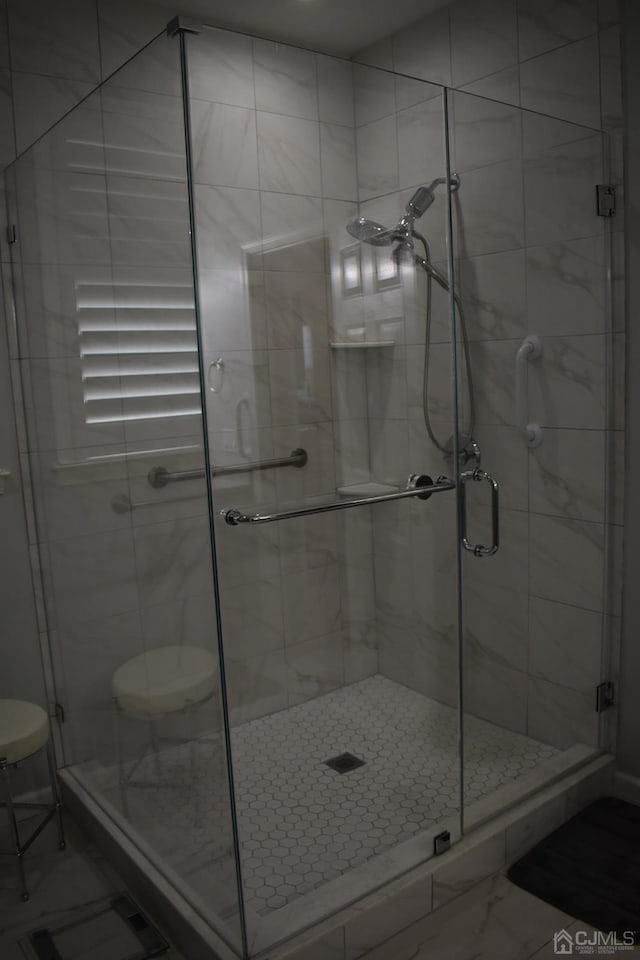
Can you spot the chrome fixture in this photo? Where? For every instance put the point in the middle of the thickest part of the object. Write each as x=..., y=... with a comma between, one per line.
x=419, y=485
x=159, y=476
x=531, y=349
x=478, y=550
x=404, y=235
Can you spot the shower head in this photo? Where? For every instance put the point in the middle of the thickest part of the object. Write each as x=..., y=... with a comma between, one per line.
x=370, y=232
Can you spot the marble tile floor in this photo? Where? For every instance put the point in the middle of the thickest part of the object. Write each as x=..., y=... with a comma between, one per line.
x=65, y=886
x=494, y=920
x=301, y=823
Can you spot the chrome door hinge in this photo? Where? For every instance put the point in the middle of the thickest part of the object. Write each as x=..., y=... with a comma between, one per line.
x=12, y=233
x=182, y=25
x=605, y=696
x=441, y=843
x=606, y=200
x=59, y=712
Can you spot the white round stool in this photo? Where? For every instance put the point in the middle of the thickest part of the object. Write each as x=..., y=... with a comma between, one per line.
x=163, y=681
x=24, y=731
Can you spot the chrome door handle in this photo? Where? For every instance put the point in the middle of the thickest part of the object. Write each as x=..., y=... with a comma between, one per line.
x=478, y=550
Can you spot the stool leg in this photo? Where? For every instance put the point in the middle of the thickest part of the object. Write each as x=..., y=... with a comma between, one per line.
x=122, y=781
x=13, y=826
x=53, y=777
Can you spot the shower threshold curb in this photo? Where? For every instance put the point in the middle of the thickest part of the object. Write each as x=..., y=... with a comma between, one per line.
x=494, y=842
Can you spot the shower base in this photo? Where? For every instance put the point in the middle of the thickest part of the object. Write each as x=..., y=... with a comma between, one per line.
x=303, y=825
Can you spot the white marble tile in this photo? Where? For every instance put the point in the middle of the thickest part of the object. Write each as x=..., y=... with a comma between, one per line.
x=318, y=440
x=616, y=464
x=338, y=159
x=377, y=157
x=387, y=385
x=7, y=101
x=56, y=408
x=378, y=54
x=300, y=385
x=533, y=827
x=483, y=38
x=484, y=132
x=560, y=716
x=245, y=559
x=335, y=91
x=565, y=644
x=285, y=80
x=373, y=94
x=221, y=67
x=313, y=603
x=244, y=391
x=289, y=155
x=310, y=543
x=608, y=13
x=125, y=29
x=395, y=912
x=611, y=79
x=558, y=186
x=480, y=860
x=567, y=384
x=566, y=559
x=352, y=452
x=495, y=622
x=389, y=448
x=229, y=228
x=503, y=86
x=39, y=102
x=493, y=691
x=359, y=651
x=566, y=287
x=293, y=232
x=252, y=619
x=257, y=686
x=489, y=210
x=135, y=204
x=493, y=367
x=173, y=560
x=616, y=404
x=505, y=457
x=421, y=155
x=143, y=135
x=493, y=920
x=348, y=377
x=567, y=475
x=65, y=221
x=492, y=288
x=597, y=784
x=60, y=42
x=230, y=319
x=410, y=91
x=188, y=621
x=296, y=310
x=544, y=25
x=93, y=576
x=314, y=667
x=224, y=145
x=564, y=83
x=421, y=50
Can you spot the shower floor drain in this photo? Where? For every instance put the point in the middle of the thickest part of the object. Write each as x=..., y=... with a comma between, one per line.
x=345, y=762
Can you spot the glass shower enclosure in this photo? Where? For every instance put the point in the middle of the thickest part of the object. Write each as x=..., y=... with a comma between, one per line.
x=317, y=597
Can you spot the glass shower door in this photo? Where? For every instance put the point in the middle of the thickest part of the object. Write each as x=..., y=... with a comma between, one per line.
x=530, y=254
x=340, y=647
x=108, y=354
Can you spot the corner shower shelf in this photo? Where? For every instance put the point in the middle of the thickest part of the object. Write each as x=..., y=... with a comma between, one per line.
x=360, y=344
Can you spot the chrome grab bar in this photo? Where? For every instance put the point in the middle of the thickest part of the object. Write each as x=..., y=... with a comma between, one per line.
x=531, y=349
x=478, y=550
x=159, y=476
x=419, y=485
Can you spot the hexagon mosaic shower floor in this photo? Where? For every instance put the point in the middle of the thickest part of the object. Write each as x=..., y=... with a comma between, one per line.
x=302, y=824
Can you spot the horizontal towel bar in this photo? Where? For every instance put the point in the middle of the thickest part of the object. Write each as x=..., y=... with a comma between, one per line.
x=419, y=486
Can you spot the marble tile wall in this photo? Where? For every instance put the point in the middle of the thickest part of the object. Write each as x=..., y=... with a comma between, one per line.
x=532, y=257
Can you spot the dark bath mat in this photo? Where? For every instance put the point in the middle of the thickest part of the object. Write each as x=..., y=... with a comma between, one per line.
x=590, y=867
